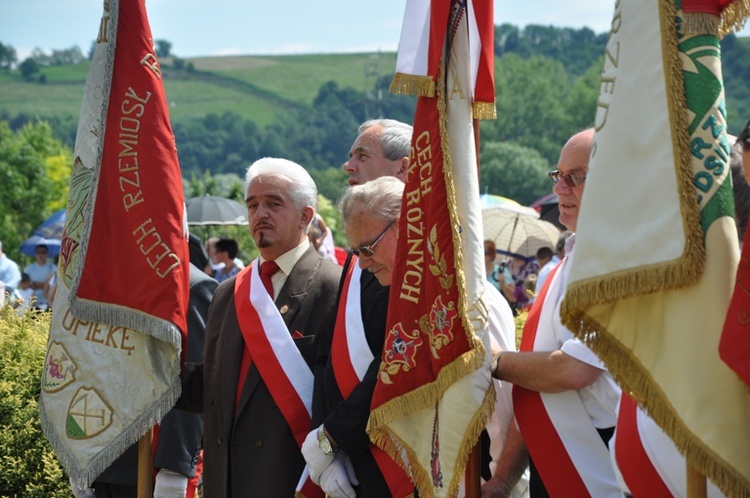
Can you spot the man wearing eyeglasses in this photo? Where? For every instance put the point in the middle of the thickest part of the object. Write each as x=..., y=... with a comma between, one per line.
x=564, y=397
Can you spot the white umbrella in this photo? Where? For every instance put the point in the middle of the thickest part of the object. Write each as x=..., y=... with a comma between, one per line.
x=517, y=230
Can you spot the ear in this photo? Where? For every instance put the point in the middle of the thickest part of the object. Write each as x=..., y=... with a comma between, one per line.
x=308, y=213
x=403, y=167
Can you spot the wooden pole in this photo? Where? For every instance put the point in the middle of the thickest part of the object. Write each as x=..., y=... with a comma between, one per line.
x=145, y=465
x=473, y=473
x=696, y=483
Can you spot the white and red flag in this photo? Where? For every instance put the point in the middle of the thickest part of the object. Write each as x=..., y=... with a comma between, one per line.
x=119, y=316
x=656, y=246
x=434, y=394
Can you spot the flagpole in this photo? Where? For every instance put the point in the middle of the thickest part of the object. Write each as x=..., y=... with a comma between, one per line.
x=696, y=483
x=473, y=466
x=145, y=465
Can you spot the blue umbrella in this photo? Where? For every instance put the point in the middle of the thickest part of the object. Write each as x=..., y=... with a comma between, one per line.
x=49, y=233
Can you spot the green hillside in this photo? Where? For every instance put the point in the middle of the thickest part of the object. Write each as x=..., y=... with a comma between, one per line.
x=257, y=88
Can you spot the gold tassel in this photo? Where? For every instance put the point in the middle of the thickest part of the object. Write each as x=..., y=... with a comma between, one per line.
x=410, y=84
x=700, y=23
x=484, y=110
x=734, y=16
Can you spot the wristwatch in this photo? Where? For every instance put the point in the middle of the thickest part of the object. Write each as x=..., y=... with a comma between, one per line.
x=324, y=443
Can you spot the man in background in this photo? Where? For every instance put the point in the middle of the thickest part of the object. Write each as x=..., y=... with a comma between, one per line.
x=10, y=275
x=562, y=391
x=39, y=271
x=380, y=149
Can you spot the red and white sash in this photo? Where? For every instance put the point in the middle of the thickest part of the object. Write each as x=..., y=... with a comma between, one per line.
x=279, y=362
x=565, y=446
x=633, y=461
x=351, y=357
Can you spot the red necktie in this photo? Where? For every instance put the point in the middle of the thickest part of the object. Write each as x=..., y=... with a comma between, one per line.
x=267, y=270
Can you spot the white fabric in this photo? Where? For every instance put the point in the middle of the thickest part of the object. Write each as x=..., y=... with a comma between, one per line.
x=317, y=461
x=359, y=351
x=502, y=331
x=170, y=484
x=601, y=397
x=577, y=414
x=544, y=272
x=39, y=274
x=289, y=357
x=664, y=456
x=338, y=477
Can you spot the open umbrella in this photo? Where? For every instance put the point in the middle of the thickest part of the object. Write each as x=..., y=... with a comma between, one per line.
x=517, y=230
x=490, y=200
x=548, y=209
x=48, y=233
x=210, y=210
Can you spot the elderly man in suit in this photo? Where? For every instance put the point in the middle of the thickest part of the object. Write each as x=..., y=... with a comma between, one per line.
x=256, y=384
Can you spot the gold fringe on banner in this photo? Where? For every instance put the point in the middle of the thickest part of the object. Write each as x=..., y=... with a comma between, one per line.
x=734, y=16
x=484, y=110
x=411, y=84
x=700, y=23
x=625, y=367
x=428, y=395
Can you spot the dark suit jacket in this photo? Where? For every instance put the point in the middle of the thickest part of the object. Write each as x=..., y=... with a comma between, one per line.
x=253, y=453
x=346, y=420
x=180, y=433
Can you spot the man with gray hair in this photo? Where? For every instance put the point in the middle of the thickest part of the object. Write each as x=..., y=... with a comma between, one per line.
x=380, y=149
x=10, y=275
x=255, y=384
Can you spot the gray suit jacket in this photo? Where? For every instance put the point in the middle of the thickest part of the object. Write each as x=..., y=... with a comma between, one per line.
x=253, y=453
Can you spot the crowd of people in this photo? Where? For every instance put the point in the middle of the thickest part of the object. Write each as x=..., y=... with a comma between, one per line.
x=273, y=400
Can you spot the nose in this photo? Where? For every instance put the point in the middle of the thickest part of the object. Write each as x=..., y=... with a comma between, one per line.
x=561, y=188
x=349, y=166
x=365, y=261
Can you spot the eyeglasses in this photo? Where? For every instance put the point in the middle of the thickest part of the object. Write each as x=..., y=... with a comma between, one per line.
x=41, y=252
x=370, y=250
x=570, y=180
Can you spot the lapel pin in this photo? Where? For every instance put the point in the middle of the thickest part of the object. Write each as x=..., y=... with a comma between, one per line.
x=284, y=309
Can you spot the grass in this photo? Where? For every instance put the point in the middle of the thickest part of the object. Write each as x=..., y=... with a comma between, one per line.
x=255, y=87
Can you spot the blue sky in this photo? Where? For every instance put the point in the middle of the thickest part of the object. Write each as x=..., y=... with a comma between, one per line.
x=224, y=27
x=221, y=27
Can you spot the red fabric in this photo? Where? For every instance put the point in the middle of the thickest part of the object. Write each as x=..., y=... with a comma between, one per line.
x=556, y=469
x=137, y=254
x=734, y=347
x=343, y=370
x=439, y=13
x=267, y=270
x=279, y=385
x=635, y=466
x=341, y=255
x=484, y=90
x=416, y=291
x=705, y=6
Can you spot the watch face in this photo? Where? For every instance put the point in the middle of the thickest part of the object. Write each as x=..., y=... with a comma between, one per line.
x=325, y=446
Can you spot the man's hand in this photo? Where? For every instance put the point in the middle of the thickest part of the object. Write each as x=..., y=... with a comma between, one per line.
x=496, y=488
x=170, y=484
x=337, y=479
x=317, y=461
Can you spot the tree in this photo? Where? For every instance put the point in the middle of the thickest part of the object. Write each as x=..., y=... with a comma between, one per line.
x=163, y=48
x=29, y=68
x=513, y=171
x=7, y=56
x=31, y=181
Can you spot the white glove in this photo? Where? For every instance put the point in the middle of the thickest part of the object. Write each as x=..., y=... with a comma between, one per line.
x=317, y=461
x=80, y=492
x=337, y=479
x=170, y=484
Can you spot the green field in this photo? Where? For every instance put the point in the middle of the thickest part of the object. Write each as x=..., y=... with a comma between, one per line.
x=255, y=87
